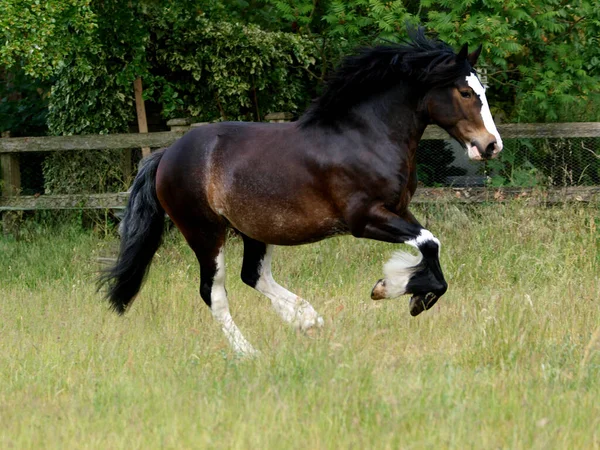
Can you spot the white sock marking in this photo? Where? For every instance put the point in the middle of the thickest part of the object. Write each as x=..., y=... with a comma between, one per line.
x=486, y=114
x=220, y=310
x=398, y=271
x=402, y=266
x=289, y=306
x=424, y=236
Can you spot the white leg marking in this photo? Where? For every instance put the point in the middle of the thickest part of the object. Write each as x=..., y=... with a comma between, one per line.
x=289, y=306
x=220, y=310
x=398, y=271
x=424, y=236
x=402, y=266
x=486, y=114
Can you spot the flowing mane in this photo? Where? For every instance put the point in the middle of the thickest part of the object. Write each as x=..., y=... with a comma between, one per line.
x=429, y=62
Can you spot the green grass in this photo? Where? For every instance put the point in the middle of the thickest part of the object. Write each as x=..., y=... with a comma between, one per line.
x=508, y=358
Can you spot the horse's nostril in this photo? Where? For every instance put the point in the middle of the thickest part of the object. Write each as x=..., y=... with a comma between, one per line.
x=489, y=150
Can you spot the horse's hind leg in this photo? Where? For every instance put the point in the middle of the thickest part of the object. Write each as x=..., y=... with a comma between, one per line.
x=256, y=273
x=209, y=249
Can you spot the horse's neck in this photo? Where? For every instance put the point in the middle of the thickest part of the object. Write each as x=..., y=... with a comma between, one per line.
x=395, y=115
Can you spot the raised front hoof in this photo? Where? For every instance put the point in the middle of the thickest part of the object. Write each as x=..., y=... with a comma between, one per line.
x=379, y=291
x=420, y=302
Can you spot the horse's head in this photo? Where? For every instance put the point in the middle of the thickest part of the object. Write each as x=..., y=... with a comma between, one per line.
x=462, y=110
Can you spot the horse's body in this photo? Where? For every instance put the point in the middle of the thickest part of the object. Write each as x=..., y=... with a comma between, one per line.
x=294, y=190
x=348, y=166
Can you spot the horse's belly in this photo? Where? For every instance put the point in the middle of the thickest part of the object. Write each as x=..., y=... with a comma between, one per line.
x=281, y=227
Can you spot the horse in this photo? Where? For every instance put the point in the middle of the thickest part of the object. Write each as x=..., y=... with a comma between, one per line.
x=347, y=166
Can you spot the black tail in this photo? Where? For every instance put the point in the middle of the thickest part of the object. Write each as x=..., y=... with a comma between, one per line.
x=141, y=235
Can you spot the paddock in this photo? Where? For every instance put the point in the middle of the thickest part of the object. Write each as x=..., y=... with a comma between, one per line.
x=509, y=357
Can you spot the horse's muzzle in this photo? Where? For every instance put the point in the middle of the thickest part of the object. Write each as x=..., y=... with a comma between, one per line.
x=479, y=151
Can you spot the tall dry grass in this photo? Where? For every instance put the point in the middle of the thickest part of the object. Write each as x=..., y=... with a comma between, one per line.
x=508, y=358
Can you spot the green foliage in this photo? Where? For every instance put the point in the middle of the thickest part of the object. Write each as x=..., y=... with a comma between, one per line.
x=233, y=72
x=83, y=172
x=23, y=104
x=542, y=58
x=38, y=35
x=190, y=65
x=367, y=19
x=87, y=98
x=514, y=168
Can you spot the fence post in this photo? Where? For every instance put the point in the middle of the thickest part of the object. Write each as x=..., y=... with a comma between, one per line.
x=11, y=173
x=140, y=108
x=181, y=124
x=11, y=186
x=279, y=117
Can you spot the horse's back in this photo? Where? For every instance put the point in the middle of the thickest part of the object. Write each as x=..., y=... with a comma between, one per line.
x=255, y=177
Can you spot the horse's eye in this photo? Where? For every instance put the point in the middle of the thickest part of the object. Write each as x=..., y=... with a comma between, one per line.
x=465, y=94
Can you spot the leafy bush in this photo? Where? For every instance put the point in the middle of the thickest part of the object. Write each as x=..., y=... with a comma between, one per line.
x=86, y=99
x=23, y=104
x=228, y=71
x=514, y=168
x=542, y=57
x=38, y=36
x=190, y=67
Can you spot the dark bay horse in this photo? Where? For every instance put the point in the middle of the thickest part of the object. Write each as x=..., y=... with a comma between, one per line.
x=346, y=167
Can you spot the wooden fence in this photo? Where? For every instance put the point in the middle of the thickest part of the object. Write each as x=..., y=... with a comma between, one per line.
x=11, y=147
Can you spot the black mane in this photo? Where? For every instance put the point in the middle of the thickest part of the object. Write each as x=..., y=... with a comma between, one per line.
x=429, y=62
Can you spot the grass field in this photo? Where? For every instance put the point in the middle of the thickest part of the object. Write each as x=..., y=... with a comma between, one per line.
x=508, y=358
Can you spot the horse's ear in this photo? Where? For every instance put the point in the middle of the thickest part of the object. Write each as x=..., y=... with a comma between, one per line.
x=463, y=53
x=472, y=58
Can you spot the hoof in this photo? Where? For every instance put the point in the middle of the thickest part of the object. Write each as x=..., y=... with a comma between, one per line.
x=310, y=321
x=313, y=328
x=419, y=303
x=379, y=291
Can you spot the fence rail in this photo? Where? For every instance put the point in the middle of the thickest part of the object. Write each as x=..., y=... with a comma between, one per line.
x=11, y=147
x=166, y=138
x=530, y=196
x=530, y=130
x=89, y=142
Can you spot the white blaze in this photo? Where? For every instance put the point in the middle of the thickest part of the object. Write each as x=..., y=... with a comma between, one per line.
x=486, y=115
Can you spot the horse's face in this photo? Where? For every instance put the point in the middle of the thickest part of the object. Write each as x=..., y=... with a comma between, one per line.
x=462, y=110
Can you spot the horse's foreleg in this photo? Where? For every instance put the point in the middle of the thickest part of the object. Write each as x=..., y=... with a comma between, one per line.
x=256, y=272
x=420, y=275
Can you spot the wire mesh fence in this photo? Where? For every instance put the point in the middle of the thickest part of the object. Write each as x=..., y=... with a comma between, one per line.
x=524, y=162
